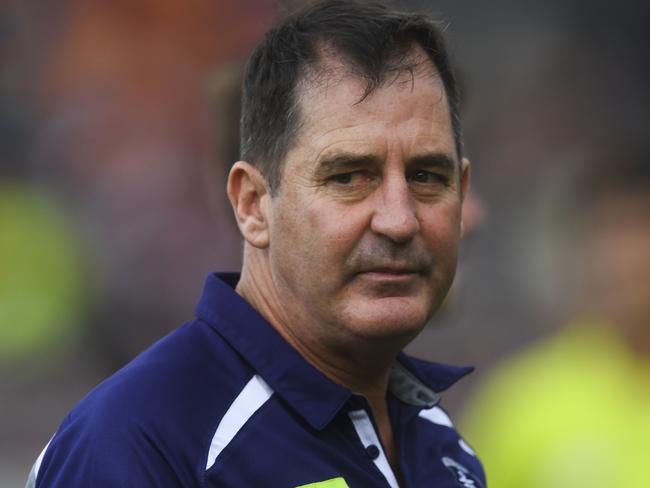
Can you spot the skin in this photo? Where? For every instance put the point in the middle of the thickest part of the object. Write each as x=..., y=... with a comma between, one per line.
x=358, y=247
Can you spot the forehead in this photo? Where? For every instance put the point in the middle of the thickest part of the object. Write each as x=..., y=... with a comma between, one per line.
x=408, y=109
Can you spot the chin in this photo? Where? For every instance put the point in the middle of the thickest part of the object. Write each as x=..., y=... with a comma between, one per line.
x=394, y=318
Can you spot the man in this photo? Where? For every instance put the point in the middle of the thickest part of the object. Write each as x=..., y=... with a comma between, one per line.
x=349, y=198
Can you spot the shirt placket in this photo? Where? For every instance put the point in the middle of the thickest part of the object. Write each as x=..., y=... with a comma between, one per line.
x=366, y=431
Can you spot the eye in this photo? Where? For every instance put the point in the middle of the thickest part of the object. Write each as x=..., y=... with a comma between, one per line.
x=351, y=178
x=421, y=176
x=355, y=183
x=343, y=178
x=427, y=177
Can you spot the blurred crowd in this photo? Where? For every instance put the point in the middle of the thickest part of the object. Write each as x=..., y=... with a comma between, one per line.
x=118, y=122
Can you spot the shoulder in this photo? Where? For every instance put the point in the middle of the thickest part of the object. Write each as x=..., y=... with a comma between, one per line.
x=456, y=454
x=420, y=383
x=150, y=424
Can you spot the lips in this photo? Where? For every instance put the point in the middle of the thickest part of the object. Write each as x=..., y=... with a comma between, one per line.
x=390, y=274
x=390, y=281
x=392, y=270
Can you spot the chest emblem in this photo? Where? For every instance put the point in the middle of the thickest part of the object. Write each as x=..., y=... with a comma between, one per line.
x=464, y=476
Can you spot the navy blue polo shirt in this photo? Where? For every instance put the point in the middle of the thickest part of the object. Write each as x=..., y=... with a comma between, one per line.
x=224, y=401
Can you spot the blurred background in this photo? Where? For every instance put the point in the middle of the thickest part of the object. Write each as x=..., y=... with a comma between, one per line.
x=118, y=123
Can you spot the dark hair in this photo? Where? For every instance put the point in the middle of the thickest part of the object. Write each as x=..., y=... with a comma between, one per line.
x=368, y=36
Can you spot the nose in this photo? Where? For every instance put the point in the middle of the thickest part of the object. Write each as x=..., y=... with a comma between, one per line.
x=395, y=214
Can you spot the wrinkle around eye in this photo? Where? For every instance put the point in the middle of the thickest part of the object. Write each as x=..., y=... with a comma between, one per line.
x=351, y=183
x=433, y=185
x=425, y=177
x=351, y=178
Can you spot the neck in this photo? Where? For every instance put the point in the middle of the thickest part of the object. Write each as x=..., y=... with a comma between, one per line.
x=360, y=364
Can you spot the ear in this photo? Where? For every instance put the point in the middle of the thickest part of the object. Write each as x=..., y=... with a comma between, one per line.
x=248, y=192
x=464, y=177
x=464, y=189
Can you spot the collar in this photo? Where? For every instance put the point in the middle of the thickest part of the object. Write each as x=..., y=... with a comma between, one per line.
x=314, y=396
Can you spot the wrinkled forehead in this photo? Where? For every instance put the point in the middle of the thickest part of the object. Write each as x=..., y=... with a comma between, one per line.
x=334, y=95
x=333, y=69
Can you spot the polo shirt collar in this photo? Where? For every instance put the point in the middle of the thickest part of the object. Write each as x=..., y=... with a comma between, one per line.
x=305, y=388
x=420, y=383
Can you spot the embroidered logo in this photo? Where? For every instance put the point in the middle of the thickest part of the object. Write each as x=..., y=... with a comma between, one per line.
x=463, y=475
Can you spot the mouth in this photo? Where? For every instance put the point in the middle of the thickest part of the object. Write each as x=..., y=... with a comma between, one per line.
x=391, y=273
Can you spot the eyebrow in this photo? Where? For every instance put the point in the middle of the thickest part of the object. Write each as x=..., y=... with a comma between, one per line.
x=349, y=161
x=344, y=161
x=434, y=160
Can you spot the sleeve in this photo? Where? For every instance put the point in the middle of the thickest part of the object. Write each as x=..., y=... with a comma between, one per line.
x=104, y=454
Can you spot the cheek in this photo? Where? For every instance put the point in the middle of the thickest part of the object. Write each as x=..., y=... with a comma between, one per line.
x=441, y=227
x=334, y=231
x=310, y=242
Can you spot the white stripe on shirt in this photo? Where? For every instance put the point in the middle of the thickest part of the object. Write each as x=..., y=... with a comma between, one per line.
x=436, y=415
x=250, y=399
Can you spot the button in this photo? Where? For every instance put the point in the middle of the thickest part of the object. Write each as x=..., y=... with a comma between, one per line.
x=372, y=451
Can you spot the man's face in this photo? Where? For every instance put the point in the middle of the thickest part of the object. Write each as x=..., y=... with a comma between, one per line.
x=365, y=227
